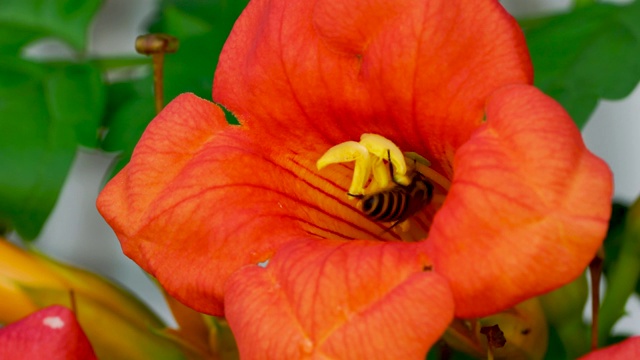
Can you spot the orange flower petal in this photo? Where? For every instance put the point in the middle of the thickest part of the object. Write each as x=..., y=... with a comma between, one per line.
x=627, y=349
x=417, y=72
x=201, y=198
x=353, y=300
x=142, y=199
x=528, y=207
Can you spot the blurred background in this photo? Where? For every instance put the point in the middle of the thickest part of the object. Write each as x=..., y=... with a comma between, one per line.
x=76, y=233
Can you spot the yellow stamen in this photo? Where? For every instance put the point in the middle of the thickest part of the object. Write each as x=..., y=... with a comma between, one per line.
x=388, y=173
x=380, y=172
x=370, y=155
x=383, y=148
x=346, y=152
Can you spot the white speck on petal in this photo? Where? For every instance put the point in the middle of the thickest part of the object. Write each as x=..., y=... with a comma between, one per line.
x=264, y=263
x=306, y=346
x=54, y=322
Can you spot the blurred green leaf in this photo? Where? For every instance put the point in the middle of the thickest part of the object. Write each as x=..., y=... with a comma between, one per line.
x=588, y=54
x=12, y=40
x=76, y=98
x=613, y=241
x=45, y=112
x=555, y=348
x=22, y=21
x=131, y=107
x=202, y=28
x=563, y=309
x=622, y=266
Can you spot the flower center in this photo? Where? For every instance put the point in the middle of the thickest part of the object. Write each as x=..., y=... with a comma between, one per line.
x=396, y=188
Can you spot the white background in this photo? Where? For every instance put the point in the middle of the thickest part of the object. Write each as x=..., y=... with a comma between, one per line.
x=76, y=233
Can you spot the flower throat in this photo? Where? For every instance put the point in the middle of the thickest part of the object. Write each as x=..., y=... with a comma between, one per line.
x=392, y=192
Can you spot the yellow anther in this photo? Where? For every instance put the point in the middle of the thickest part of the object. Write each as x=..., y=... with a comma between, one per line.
x=370, y=155
x=384, y=148
x=380, y=172
x=402, y=179
x=346, y=152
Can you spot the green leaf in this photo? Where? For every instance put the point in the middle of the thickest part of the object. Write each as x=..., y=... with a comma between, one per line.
x=555, y=349
x=615, y=232
x=45, y=112
x=12, y=40
x=622, y=266
x=22, y=21
x=215, y=14
x=589, y=54
x=76, y=97
x=183, y=24
x=202, y=28
x=131, y=107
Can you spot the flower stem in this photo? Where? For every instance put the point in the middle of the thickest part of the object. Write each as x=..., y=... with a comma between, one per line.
x=157, y=45
x=622, y=280
x=72, y=301
x=623, y=275
x=595, y=269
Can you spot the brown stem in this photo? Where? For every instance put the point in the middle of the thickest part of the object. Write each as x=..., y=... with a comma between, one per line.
x=595, y=269
x=445, y=351
x=158, y=85
x=157, y=45
x=72, y=301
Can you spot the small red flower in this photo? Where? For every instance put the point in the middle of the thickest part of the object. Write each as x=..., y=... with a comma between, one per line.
x=51, y=333
x=202, y=202
x=627, y=349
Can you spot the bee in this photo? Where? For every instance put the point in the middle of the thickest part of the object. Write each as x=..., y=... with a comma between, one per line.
x=400, y=202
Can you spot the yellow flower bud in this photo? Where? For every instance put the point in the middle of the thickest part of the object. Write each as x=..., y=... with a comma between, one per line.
x=117, y=324
x=19, y=268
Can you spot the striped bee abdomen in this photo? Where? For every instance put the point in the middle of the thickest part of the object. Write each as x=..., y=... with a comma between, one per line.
x=389, y=205
x=398, y=203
